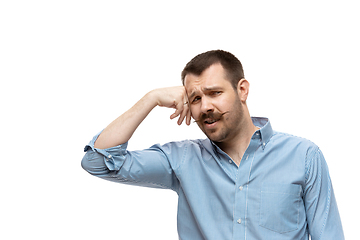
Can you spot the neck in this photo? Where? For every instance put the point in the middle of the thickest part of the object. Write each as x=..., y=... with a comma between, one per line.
x=236, y=146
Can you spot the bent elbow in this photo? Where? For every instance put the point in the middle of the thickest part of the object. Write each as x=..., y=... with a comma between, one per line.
x=93, y=163
x=85, y=163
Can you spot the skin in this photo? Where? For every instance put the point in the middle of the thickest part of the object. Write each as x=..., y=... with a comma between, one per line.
x=212, y=94
x=121, y=129
x=206, y=96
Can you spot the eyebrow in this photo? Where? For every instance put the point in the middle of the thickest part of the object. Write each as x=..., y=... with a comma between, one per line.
x=206, y=89
x=192, y=95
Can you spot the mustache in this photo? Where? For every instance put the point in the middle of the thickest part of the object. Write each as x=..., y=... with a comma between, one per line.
x=211, y=115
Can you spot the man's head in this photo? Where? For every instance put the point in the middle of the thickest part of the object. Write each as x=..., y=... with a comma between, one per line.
x=232, y=66
x=217, y=94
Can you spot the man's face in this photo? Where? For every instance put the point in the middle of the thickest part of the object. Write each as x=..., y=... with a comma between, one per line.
x=214, y=103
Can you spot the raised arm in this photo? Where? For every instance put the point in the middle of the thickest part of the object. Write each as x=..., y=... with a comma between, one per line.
x=121, y=129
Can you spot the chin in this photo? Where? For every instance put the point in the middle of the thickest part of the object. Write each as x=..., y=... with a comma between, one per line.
x=215, y=135
x=216, y=138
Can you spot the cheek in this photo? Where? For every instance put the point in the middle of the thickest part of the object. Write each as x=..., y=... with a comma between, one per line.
x=194, y=113
x=226, y=104
x=222, y=106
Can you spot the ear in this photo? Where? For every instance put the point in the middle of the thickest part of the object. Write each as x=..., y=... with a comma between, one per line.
x=243, y=89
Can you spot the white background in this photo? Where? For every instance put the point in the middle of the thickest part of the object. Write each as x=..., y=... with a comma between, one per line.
x=68, y=68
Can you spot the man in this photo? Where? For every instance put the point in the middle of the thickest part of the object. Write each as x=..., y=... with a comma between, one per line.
x=244, y=181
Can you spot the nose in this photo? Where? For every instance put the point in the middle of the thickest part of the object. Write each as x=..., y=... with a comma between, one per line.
x=206, y=105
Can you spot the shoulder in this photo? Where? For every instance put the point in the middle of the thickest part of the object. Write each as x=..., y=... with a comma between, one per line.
x=180, y=146
x=295, y=143
x=177, y=152
x=183, y=143
x=289, y=138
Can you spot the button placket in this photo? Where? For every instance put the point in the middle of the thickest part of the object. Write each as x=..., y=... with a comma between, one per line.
x=108, y=157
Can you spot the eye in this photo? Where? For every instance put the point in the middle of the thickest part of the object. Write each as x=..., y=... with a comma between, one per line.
x=196, y=99
x=215, y=93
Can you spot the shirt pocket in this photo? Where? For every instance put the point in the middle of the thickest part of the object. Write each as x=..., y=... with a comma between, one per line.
x=280, y=206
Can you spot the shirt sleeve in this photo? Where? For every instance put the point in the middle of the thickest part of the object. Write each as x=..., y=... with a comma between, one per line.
x=321, y=209
x=148, y=168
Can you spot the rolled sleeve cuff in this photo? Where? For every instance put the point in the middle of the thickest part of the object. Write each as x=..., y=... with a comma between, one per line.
x=113, y=157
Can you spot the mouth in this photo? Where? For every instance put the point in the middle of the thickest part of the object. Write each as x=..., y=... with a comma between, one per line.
x=210, y=121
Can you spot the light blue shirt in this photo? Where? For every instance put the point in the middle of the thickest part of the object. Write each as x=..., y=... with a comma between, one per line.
x=281, y=190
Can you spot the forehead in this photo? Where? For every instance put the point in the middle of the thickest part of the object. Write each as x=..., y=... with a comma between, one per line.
x=212, y=77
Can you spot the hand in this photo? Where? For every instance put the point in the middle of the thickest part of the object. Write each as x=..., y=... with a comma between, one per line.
x=174, y=97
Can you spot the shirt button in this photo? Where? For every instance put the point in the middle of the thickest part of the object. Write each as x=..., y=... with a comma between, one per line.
x=230, y=161
x=241, y=188
x=239, y=221
x=109, y=156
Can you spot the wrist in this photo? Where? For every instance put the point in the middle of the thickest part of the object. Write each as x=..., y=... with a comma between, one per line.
x=152, y=98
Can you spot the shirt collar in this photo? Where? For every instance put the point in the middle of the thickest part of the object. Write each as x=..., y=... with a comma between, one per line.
x=265, y=130
x=264, y=133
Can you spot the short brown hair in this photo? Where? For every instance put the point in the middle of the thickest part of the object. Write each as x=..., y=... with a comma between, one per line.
x=232, y=65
